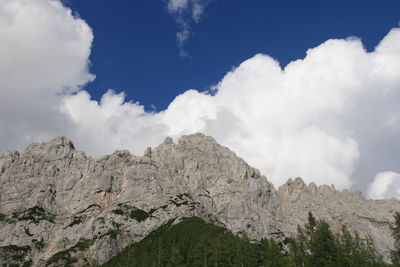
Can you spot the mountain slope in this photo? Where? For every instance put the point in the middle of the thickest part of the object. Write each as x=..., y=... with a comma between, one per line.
x=55, y=199
x=192, y=242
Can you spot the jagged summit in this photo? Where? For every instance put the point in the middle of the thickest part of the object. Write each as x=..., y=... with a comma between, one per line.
x=53, y=198
x=59, y=142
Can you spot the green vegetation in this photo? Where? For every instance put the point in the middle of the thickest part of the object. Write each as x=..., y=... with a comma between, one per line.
x=16, y=248
x=118, y=212
x=27, y=232
x=193, y=242
x=133, y=212
x=112, y=233
x=77, y=220
x=183, y=199
x=68, y=257
x=39, y=244
x=34, y=214
x=316, y=245
x=27, y=263
x=395, y=254
x=139, y=215
x=6, y=218
x=15, y=255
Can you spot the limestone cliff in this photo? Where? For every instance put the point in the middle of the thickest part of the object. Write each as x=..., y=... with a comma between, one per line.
x=55, y=202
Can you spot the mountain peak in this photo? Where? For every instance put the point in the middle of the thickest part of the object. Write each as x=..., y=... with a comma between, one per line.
x=61, y=197
x=57, y=143
x=62, y=141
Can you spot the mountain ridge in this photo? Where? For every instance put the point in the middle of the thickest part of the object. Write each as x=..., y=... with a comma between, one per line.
x=117, y=199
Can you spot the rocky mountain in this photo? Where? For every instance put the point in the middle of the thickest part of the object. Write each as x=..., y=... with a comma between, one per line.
x=57, y=204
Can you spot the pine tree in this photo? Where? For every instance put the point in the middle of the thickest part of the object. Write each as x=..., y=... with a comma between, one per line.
x=249, y=252
x=298, y=248
x=395, y=254
x=197, y=244
x=273, y=255
x=176, y=258
x=311, y=225
x=322, y=246
x=354, y=251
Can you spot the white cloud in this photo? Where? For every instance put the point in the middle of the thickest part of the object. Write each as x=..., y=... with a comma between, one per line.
x=182, y=37
x=197, y=11
x=185, y=12
x=324, y=117
x=194, y=8
x=113, y=123
x=385, y=185
x=43, y=53
x=177, y=6
x=318, y=118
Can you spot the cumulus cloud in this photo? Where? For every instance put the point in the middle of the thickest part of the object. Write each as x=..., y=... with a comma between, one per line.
x=332, y=117
x=102, y=127
x=319, y=118
x=385, y=185
x=43, y=54
x=185, y=12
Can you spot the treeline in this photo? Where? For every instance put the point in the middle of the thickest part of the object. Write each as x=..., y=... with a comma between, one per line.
x=196, y=243
x=316, y=245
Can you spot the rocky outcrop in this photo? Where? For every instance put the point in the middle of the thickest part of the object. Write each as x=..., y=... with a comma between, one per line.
x=58, y=206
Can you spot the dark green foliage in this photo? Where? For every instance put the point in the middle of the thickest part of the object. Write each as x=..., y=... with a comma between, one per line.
x=193, y=242
x=353, y=251
x=67, y=257
x=15, y=255
x=2, y=217
x=395, y=254
x=38, y=244
x=152, y=211
x=34, y=214
x=77, y=220
x=317, y=245
x=139, y=215
x=83, y=245
x=63, y=258
x=118, y=212
x=16, y=248
x=184, y=199
x=112, y=233
x=27, y=263
x=311, y=225
x=184, y=195
x=272, y=254
x=133, y=213
x=27, y=232
x=176, y=258
x=298, y=247
x=322, y=246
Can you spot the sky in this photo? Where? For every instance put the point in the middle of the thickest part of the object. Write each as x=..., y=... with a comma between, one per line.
x=136, y=40
x=295, y=88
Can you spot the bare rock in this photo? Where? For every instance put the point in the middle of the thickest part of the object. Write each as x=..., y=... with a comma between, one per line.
x=57, y=204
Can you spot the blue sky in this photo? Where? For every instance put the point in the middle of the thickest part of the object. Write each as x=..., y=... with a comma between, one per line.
x=135, y=48
x=295, y=95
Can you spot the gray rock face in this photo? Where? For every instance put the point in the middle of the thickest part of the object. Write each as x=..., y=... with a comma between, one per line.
x=57, y=205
